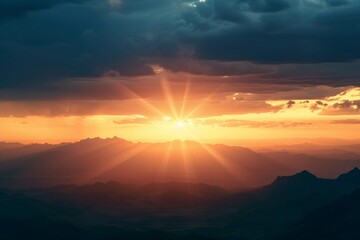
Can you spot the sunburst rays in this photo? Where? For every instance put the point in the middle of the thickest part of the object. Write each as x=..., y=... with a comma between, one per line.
x=168, y=96
x=180, y=113
x=123, y=156
x=165, y=161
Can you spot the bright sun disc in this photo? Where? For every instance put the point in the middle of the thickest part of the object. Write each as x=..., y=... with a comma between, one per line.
x=180, y=124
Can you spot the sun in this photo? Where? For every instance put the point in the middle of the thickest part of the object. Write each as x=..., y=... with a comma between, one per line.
x=180, y=124
x=175, y=115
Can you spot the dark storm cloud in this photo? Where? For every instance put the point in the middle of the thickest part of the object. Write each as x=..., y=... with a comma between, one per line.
x=336, y=3
x=266, y=5
x=212, y=68
x=42, y=42
x=19, y=8
x=331, y=74
x=303, y=31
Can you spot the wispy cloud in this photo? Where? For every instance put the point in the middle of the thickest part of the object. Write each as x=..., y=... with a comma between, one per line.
x=346, y=121
x=132, y=119
x=253, y=124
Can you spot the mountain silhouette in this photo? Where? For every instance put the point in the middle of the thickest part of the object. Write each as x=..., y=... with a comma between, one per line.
x=116, y=189
x=324, y=165
x=91, y=160
x=349, y=180
x=5, y=145
x=351, y=176
x=174, y=210
x=301, y=177
x=284, y=202
x=115, y=195
x=115, y=159
x=18, y=150
x=339, y=220
x=44, y=229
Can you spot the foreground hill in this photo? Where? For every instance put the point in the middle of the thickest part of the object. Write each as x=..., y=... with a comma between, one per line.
x=176, y=210
x=339, y=220
x=44, y=229
x=267, y=211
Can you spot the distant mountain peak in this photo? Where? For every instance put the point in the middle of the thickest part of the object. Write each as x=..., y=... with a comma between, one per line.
x=353, y=174
x=104, y=140
x=303, y=176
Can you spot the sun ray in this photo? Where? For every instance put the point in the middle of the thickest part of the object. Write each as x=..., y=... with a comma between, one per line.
x=190, y=175
x=197, y=107
x=185, y=98
x=221, y=159
x=168, y=95
x=121, y=158
x=180, y=119
x=146, y=103
x=165, y=161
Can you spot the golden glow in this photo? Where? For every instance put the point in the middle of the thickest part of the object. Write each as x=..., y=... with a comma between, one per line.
x=180, y=124
x=178, y=113
x=167, y=118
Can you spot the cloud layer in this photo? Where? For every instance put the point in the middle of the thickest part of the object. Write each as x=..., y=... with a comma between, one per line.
x=53, y=40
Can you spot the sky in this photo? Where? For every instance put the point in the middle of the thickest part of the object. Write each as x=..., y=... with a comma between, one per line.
x=158, y=70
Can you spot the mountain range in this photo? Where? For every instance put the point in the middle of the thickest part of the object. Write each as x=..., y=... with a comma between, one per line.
x=92, y=160
x=288, y=208
x=115, y=189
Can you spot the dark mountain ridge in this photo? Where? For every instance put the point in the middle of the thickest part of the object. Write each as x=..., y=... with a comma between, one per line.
x=194, y=209
x=339, y=220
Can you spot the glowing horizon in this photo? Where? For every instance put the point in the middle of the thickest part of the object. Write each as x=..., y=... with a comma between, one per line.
x=186, y=119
